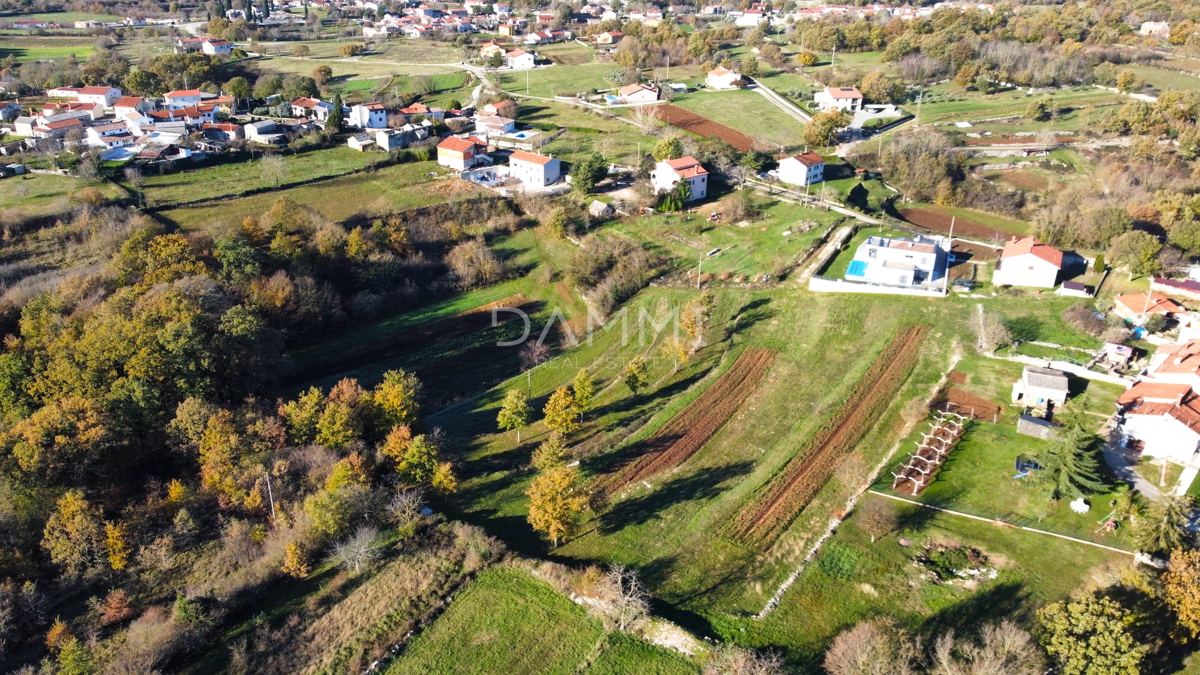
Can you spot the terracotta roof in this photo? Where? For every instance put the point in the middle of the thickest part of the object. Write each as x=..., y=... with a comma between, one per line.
x=305, y=102
x=128, y=102
x=1154, y=392
x=1030, y=246
x=1137, y=303
x=1186, y=412
x=62, y=124
x=181, y=93
x=415, y=109
x=94, y=90
x=720, y=72
x=522, y=156
x=515, y=53
x=809, y=159
x=455, y=144
x=634, y=88
x=1182, y=359
x=686, y=167
x=843, y=92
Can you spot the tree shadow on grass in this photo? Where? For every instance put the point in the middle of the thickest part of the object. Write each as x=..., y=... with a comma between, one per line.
x=1001, y=601
x=750, y=313
x=702, y=485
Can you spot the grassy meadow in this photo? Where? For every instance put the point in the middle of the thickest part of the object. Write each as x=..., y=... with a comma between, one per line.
x=746, y=111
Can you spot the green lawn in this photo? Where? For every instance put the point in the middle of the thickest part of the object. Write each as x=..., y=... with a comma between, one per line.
x=62, y=17
x=558, y=80
x=880, y=580
x=1165, y=78
x=841, y=262
x=394, y=188
x=36, y=48
x=343, y=69
x=237, y=177
x=746, y=111
x=506, y=621
x=627, y=655
x=568, y=53
x=947, y=102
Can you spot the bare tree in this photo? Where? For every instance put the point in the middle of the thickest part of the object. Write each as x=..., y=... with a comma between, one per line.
x=274, y=169
x=645, y=117
x=136, y=181
x=405, y=506
x=871, y=648
x=360, y=549
x=621, y=599
x=877, y=517
x=732, y=660
x=532, y=354
x=1003, y=649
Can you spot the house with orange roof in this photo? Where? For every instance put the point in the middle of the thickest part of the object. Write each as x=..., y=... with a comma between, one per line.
x=461, y=154
x=1176, y=363
x=803, y=169
x=1161, y=419
x=182, y=98
x=637, y=93
x=667, y=174
x=1028, y=262
x=105, y=96
x=533, y=169
x=1138, y=306
x=839, y=98
x=722, y=78
x=130, y=104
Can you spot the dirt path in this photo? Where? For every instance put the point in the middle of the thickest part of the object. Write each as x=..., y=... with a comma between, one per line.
x=830, y=249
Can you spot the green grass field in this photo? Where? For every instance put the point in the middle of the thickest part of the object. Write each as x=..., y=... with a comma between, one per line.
x=1165, y=78
x=836, y=269
x=557, y=80
x=61, y=17
x=390, y=189
x=36, y=48
x=44, y=194
x=746, y=111
x=568, y=53
x=233, y=178
x=948, y=102
x=506, y=621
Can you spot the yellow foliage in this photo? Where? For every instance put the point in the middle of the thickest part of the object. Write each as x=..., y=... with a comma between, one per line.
x=116, y=546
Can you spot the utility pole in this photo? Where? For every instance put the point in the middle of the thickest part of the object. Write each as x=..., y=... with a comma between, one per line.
x=833, y=60
x=698, y=268
x=668, y=66
x=271, y=496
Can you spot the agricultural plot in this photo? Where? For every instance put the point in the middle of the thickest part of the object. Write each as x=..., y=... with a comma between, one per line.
x=30, y=48
x=949, y=103
x=781, y=500
x=748, y=113
x=557, y=80
x=703, y=127
x=967, y=223
x=567, y=53
x=394, y=188
x=691, y=429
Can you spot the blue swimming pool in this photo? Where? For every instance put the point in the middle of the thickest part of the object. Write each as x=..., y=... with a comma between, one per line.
x=857, y=268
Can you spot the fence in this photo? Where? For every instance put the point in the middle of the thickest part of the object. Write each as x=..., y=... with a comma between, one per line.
x=828, y=285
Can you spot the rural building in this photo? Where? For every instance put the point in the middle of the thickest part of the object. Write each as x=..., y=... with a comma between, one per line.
x=461, y=154
x=1041, y=387
x=1160, y=419
x=226, y=130
x=839, y=98
x=1028, y=262
x=1074, y=289
x=361, y=142
x=908, y=263
x=63, y=92
x=367, y=116
x=1137, y=306
x=612, y=37
x=599, y=209
x=722, y=78
x=519, y=59
x=1187, y=288
x=1028, y=425
x=263, y=131
x=216, y=47
x=105, y=96
x=750, y=18
x=312, y=107
x=490, y=49
x=491, y=126
x=667, y=174
x=1158, y=29
x=182, y=98
x=128, y=104
x=637, y=93
x=434, y=113
x=1176, y=363
x=531, y=169
x=803, y=169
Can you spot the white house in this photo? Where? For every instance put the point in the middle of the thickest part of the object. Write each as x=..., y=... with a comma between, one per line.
x=722, y=78
x=531, y=169
x=105, y=96
x=311, y=107
x=214, y=47
x=1162, y=420
x=1176, y=363
x=461, y=154
x=63, y=92
x=262, y=131
x=1028, y=262
x=182, y=98
x=110, y=135
x=519, y=59
x=638, y=93
x=1158, y=29
x=803, y=169
x=910, y=263
x=491, y=126
x=368, y=116
x=131, y=104
x=839, y=98
x=667, y=174
x=1041, y=387
x=750, y=18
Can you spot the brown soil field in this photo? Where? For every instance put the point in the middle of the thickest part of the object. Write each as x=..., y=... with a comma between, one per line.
x=692, y=428
x=938, y=222
x=957, y=377
x=703, y=127
x=956, y=400
x=978, y=253
x=1023, y=180
x=422, y=336
x=785, y=496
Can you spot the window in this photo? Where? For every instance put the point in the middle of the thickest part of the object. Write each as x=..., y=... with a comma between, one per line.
x=871, y=252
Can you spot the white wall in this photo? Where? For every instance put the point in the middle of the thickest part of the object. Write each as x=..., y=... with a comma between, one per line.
x=1162, y=436
x=823, y=284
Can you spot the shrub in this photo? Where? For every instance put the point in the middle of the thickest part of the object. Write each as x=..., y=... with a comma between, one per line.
x=838, y=561
x=1082, y=318
x=1024, y=328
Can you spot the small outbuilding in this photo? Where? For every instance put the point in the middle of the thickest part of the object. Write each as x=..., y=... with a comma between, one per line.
x=1041, y=387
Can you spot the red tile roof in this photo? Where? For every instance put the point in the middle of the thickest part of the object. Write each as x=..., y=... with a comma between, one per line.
x=1156, y=303
x=181, y=93
x=686, y=167
x=843, y=92
x=1182, y=359
x=128, y=102
x=809, y=159
x=1154, y=392
x=455, y=144
x=1030, y=246
x=95, y=91
x=1186, y=411
x=522, y=156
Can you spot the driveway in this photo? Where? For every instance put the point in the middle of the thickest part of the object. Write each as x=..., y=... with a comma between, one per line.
x=863, y=116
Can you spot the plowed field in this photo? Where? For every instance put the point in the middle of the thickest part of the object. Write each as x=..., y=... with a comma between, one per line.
x=779, y=502
x=956, y=400
x=688, y=431
x=938, y=222
x=703, y=127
